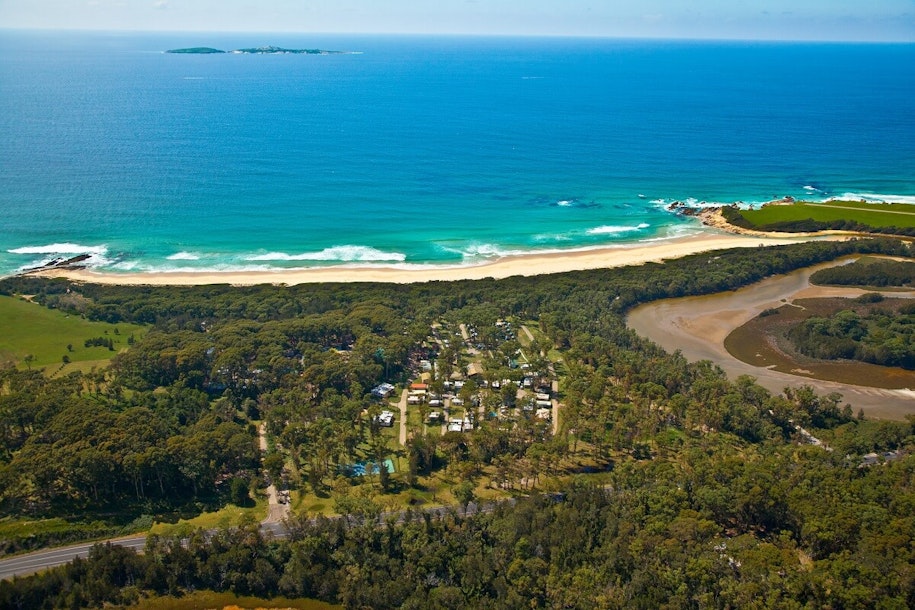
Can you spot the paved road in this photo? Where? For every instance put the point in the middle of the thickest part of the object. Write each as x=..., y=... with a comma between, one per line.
x=402, y=405
x=23, y=565
x=555, y=400
x=276, y=511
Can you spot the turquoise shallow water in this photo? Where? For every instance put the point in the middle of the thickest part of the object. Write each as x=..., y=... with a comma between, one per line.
x=422, y=151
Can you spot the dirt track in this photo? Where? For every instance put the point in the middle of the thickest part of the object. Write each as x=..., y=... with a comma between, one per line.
x=697, y=326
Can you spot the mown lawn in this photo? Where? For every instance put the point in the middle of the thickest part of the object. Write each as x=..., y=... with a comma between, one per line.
x=872, y=214
x=28, y=328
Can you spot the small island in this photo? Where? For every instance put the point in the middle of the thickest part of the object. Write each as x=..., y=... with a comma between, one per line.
x=197, y=51
x=268, y=50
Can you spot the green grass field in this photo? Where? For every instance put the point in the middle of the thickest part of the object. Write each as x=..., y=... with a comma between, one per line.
x=872, y=214
x=228, y=516
x=28, y=328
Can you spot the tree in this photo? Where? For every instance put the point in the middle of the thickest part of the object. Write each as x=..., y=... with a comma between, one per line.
x=384, y=477
x=274, y=464
x=238, y=491
x=464, y=493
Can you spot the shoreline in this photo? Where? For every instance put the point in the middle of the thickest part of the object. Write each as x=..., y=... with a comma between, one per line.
x=519, y=265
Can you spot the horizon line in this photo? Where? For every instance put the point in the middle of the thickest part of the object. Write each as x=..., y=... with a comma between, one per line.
x=682, y=38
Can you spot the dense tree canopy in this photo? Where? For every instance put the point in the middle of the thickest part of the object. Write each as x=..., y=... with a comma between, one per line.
x=880, y=336
x=713, y=497
x=879, y=273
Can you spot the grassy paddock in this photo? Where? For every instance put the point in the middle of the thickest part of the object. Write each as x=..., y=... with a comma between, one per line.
x=228, y=516
x=30, y=329
x=199, y=600
x=876, y=215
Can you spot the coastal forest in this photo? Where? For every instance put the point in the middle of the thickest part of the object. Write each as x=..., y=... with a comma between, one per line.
x=664, y=484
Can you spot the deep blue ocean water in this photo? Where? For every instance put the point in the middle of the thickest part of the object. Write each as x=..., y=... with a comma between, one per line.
x=422, y=150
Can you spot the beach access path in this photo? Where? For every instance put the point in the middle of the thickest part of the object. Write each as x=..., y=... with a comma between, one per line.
x=698, y=326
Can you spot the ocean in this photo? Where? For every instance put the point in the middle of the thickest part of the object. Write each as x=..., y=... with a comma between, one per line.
x=422, y=151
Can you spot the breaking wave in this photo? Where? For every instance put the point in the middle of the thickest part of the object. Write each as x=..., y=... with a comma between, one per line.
x=361, y=254
x=874, y=198
x=611, y=229
x=61, y=249
x=183, y=256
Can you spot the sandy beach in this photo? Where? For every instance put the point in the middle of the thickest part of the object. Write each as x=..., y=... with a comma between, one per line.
x=526, y=265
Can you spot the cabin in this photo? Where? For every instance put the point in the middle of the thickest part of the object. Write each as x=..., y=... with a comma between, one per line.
x=460, y=425
x=382, y=390
x=386, y=419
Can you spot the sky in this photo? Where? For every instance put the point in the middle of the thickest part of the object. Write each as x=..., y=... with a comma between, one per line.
x=842, y=20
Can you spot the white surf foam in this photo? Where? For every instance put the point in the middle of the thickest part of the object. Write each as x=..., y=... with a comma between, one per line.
x=610, y=229
x=183, y=256
x=336, y=253
x=874, y=198
x=548, y=237
x=126, y=266
x=485, y=251
x=62, y=249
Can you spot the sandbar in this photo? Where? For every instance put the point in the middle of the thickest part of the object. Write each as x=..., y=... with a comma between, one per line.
x=521, y=265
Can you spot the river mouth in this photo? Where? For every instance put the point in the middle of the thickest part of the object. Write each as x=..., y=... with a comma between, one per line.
x=699, y=326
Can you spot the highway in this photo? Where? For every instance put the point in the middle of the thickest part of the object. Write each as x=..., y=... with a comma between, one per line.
x=23, y=565
x=30, y=563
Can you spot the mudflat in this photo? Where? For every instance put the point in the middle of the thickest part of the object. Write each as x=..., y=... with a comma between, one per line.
x=698, y=326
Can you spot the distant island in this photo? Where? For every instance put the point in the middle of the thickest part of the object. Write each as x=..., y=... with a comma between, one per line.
x=196, y=50
x=269, y=50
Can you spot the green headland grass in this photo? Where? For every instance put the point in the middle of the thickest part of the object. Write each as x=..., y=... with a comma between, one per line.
x=28, y=328
x=877, y=215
